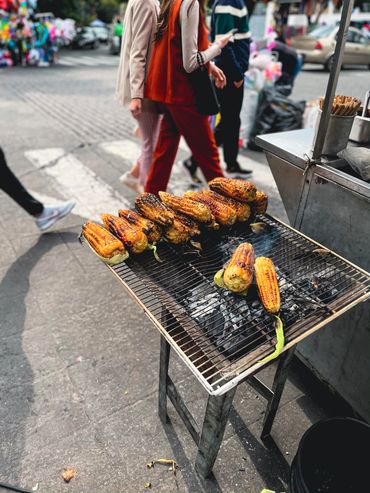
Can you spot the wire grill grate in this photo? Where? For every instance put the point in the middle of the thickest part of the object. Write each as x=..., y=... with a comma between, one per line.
x=221, y=336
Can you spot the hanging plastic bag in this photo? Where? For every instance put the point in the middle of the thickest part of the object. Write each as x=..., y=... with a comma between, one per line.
x=248, y=114
x=276, y=113
x=310, y=115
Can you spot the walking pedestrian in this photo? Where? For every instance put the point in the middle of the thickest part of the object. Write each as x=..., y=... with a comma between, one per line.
x=44, y=215
x=234, y=61
x=140, y=26
x=181, y=34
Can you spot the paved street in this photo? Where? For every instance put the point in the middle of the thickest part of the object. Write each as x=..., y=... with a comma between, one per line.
x=78, y=359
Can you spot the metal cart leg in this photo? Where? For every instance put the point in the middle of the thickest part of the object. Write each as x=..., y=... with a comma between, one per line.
x=163, y=379
x=277, y=390
x=216, y=416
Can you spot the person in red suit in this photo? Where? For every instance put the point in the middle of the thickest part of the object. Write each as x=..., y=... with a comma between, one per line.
x=181, y=34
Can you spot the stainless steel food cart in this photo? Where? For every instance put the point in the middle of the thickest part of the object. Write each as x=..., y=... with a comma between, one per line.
x=324, y=200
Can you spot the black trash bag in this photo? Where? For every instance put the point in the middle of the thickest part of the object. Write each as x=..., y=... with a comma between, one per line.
x=276, y=113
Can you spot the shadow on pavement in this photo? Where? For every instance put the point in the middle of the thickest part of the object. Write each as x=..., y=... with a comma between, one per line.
x=192, y=480
x=17, y=399
x=268, y=460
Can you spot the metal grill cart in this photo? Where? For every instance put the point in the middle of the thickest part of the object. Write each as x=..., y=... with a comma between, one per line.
x=221, y=337
x=326, y=201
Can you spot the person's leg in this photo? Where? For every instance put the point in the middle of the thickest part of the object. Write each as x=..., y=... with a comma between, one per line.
x=13, y=187
x=231, y=100
x=199, y=136
x=149, y=123
x=135, y=170
x=45, y=215
x=164, y=154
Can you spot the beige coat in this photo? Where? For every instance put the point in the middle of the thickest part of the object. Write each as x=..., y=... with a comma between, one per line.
x=140, y=24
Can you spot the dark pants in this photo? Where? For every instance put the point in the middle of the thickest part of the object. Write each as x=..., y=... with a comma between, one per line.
x=231, y=100
x=12, y=186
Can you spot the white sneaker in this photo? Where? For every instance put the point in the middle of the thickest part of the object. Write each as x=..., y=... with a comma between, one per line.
x=131, y=182
x=53, y=213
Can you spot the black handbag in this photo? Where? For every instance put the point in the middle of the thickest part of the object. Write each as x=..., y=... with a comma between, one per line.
x=204, y=89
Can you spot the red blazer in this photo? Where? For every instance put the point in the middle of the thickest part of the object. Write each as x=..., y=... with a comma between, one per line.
x=167, y=80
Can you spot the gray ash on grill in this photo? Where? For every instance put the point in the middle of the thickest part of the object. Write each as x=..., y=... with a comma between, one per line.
x=231, y=330
x=236, y=324
x=321, y=287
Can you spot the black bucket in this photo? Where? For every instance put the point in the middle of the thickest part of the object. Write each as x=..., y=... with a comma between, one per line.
x=332, y=457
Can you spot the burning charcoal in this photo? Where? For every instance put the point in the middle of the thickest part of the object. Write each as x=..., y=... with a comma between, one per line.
x=320, y=288
x=213, y=325
x=289, y=316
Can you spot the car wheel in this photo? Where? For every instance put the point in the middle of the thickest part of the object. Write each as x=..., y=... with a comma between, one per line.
x=329, y=63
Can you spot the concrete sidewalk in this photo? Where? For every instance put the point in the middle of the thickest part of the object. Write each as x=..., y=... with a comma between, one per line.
x=79, y=361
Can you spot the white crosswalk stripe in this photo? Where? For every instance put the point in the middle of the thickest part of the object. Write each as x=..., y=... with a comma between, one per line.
x=74, y=180
x=129, y=151
x=126, y=149
x=65, y=62
x=89, y=61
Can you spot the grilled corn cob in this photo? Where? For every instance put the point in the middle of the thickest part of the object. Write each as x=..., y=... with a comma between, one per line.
x=189, y=223
x=149, y=206
x=241, y=190
x=241, y=209
x=267, y=284
x=224, y=214
x=103, y=242
x=199, y=212
x=259, y=204
x=150, y=228
x=238, y=273
x=133, y=237
x=178, y=232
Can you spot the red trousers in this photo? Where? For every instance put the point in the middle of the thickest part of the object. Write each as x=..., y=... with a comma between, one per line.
x=181, y=120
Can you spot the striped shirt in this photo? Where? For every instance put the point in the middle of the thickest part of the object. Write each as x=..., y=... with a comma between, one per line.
x=227, y=15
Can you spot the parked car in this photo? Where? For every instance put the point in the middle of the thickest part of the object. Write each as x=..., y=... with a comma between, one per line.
x=102, y=33
x=318, y=46
x=85, y=38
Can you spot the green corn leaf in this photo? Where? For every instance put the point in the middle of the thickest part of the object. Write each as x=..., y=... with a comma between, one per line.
x=219, y=278
x=279, y=341
x=154, y=250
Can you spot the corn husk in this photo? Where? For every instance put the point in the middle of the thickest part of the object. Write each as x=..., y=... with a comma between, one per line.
x=115, y=260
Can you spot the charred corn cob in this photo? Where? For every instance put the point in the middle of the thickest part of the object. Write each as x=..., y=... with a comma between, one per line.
x=103, y=242
x=241, y=190
x=132, y=237
x=238, y=273
x=178, y=232
x=199, y=212
x=189, y=223
x=267, y=284
x=149, y=206
x=224, y=214
x=150, y=228
x=259, y=204
x=241, y=209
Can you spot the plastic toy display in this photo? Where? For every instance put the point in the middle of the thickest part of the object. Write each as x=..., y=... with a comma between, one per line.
x=25, y=39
